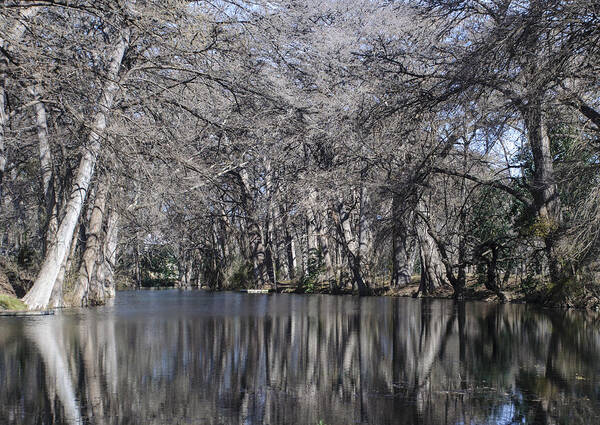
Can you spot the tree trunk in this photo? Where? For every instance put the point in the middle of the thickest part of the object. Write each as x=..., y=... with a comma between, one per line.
x=84, y=294
x=544, y=191
x=491, y=282
x=138, y=268
x=3, y=124
x=315, y=219
x=270, y=251
x=288, y=241
x=270, y=222
x=458, y=283
x=401, y=258
x=49, y=213
x=103, y=286
x=291, y=254
x=431, y=265
x=258, y=254
x=328, y=262
x=365, y=237
x=350, y=246
x=39, y=295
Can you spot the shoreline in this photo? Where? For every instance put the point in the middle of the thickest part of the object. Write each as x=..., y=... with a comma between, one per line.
x=472, y=292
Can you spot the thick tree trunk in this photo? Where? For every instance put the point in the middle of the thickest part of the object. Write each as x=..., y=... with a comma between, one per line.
x=39, y=295
x=351, y=247
x=457, y=282
x=401, y=257
x=279, y=267
x=432, y=269
x=544, y=190
x=491, y=260
x=270, y=251
x=315, y=220
x=328, y=262
x=270, y=222
x=312, y=237
x=102, y=287
x=49, y=214
x=184, y=266
x=3, y=124
x=84, y=294
x=365, y=236
x=57, y=297
x=258, y=253
x=288, y=241
x=291, y=255
x=303, y=240
x=138, y=264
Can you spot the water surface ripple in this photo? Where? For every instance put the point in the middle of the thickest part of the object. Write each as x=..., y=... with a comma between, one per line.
x=176, y=357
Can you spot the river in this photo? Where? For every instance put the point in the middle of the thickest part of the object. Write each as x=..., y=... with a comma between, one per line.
x=194, y=357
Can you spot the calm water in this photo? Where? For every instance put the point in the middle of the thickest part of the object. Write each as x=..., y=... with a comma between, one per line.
x=171, y=357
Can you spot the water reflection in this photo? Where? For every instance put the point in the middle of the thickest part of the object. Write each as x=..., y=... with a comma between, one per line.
x=197, y=358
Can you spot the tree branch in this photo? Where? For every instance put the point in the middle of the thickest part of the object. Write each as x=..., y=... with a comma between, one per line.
x=477, y=180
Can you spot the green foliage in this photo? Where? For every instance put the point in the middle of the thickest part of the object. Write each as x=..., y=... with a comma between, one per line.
x=310, y=280
x=11, y=303
x=542, y=227
x=239, y=274
x=531, y=285
x=492, y=224
x=481, y=275
x=491, y=215
x=159, y=267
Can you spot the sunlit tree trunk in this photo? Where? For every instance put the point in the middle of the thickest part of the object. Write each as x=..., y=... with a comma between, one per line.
x=57, y=297
x=3, y=124
x=49, y=222
x=87, y=271
x=431, y=265
x=544, y=191
x=365, y=237
x=102, y=286
x=351, y=247
x=328, y=262
x=289, y=246
x=258, y=253
x=39, y=295
x=401, y=257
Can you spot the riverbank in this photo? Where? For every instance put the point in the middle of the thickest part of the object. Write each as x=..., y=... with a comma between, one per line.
x=582, y=298
x=10, y=303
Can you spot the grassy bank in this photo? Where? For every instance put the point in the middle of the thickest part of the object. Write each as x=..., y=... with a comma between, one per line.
x=11, y=303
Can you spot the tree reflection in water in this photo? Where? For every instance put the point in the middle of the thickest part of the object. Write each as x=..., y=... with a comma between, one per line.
x=193, y=357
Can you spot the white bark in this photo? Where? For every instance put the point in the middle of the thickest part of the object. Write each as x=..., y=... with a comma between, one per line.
x=432, y=269
x=39, y=295
x=3, y=123
x=87, y=270
x=111, y=246
x=50, y=213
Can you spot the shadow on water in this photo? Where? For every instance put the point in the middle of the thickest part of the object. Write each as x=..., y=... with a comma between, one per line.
x=192, y=357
